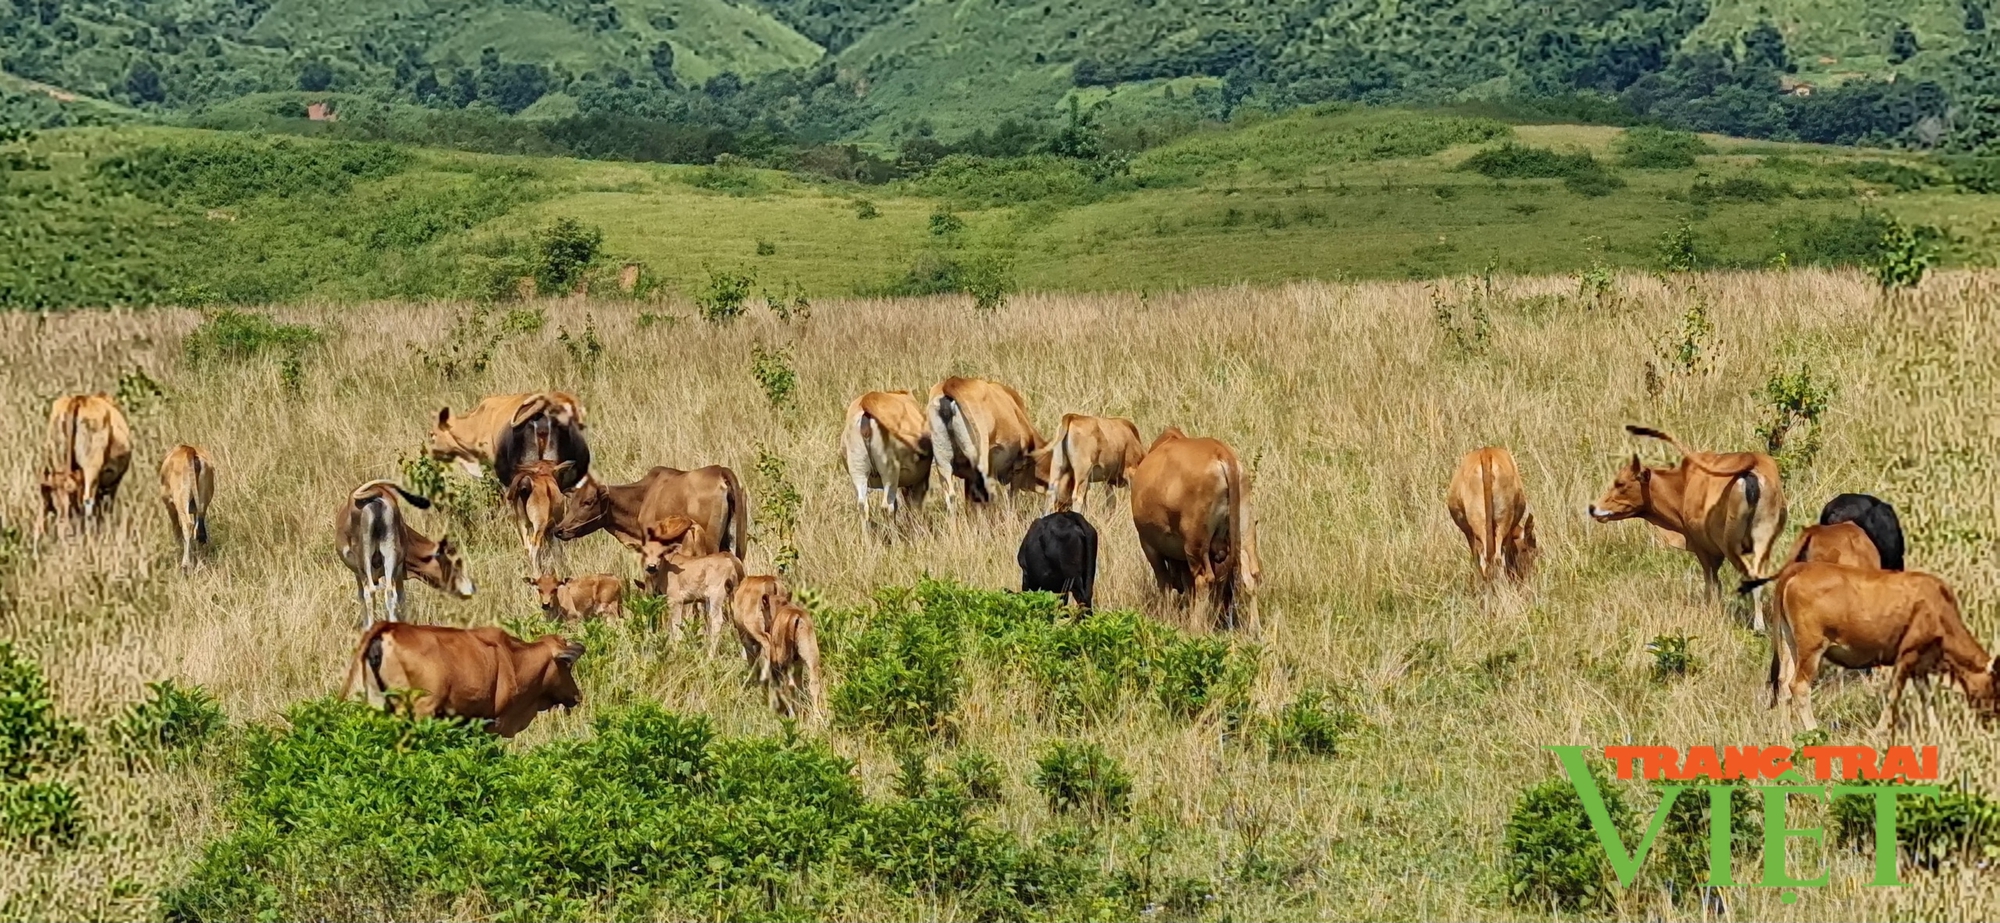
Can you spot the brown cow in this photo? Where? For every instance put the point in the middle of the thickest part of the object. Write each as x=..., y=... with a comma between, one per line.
x=712, y=497
x=1861, y=619
x=791, y=659
x=1191, y=505
x=480, y=673
x=751, y=610
x=536, y=499
x=887, y=444
x=382, y=549
x=1488, y=504
x=981, y=434
x=187, y=483
x=1728, y=506
x=1844, y=543
x=479, y=439
x=87, y=452
x=580, y=597
x=688, y=579
x=1087, y=449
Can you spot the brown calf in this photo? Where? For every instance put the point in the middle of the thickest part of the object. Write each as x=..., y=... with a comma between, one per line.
x=535, y=496
x=581, y=596
x=379, y=545
x=187, y=483
x=1488, y=504
x=1861, y=619
x=688, y=580
x=480, y=673
x=1087, y=449
x=757, y=597
x=791, y=662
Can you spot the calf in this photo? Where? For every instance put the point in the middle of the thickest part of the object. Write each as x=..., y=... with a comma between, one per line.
x=791, y=662
x=187, y=483
x=483, y=674
x=86, y=454
x=751, y=609
x=1727, y=506
x=1191, y=507
x=1862, y=619
x=1059, y=555
x=382, y=549
x=688, y=580
x=1876, y=518
x=1087, y=449
x=580, y=597
x=536, y=499
x=1843, y=543
x=1489, y=506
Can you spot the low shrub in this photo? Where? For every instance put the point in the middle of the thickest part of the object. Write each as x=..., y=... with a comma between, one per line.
x=34, y=737
x=563, y=251
x=172, y=721
x=1650, y=148
x=1552, y=855
x=1903, y=177
x=1078, y=777
x=977, y=775
x=1683, y=842
x=38, y=815
x=902, y=669
x=1519, y=161
x=236, y=336
x=1737, y=189
x=1314, y=724
x=1960, y=824
x=722, y=300
x=1673, y=656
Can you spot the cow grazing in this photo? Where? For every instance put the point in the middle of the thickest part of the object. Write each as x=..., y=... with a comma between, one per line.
x=981, y=434
x=86, y=454
x=536, y=499
x=483, y=674
x=1727, y=506
x=383, y=549
x=751, y=609
x=689, y=580
x=711, y=497
x=187, y=483
x=1861, y=619
x=887, y=443
x=1488, y=504
x=1875, y=517
x=506, y=431
x=1059, y=555
x=791, y=665
x=1087, y=449
x=1191, y=506
x=583, y=596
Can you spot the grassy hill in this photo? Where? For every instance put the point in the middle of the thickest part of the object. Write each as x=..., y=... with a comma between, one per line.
x=143, y=215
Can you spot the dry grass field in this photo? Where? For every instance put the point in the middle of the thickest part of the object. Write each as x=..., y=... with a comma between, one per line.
x=1350, y=405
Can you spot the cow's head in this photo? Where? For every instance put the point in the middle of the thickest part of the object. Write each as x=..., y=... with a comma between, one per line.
x=559, y=679
x=665, y=541
x=62, y=492
x=546, y=586
x=445, y=569
x=1982, y=690
x=1626, y=497
x=586, y=510
x=444, y=444
x=1523, y=549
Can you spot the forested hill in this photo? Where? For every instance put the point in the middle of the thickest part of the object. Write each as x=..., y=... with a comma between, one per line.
x=1925, y=73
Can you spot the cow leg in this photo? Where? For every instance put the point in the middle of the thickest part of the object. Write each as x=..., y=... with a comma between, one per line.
x=715, y=616
x=674, y=621
x=364, y=593
x=1887, y=726
x=1802, y=682
x=1082, y=491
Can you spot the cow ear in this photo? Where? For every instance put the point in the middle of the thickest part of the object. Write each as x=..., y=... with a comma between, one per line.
x=530, y=581
x=570, y=652
x=565, y=466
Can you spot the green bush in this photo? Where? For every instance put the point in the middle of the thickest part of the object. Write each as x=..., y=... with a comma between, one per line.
x=236, y=336
x=902, y=669
x=1851, y=240
x=985, y=276
x=1904, y=258
x=1649, y=148
x=1518, y=161
x=1313, y=724
x=34, y=737
x=173, y=721
x=1197, y=674
x=772, y=367
x=1593, y=183
x=1682, y=846
x=977, y=775
x=1903, y=177
x=228, y=170
x=563, y=251
x=722, y=301
x=1553, y=857
x=1078, y=777
x=1959, y=824
x=1737, y=189
x=37, y=815
x=1673, y=656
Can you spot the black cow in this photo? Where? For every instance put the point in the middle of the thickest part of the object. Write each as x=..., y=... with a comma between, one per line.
x=1876, y=518
x=543, y=430
x=1060, y=556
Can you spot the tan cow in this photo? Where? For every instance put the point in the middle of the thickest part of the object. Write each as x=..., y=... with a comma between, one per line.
x=601, y=595
x=712, y=497
x=887, y=443
x=87, y=452
x=751, y=610
x=1844, y=543
x=1862, y=619
x=483, y=674
x=472, y=440
x=1728, y=506
x=1087, y=449
x=981, y=434
x=1191, y=506
x=688, y=580
x=187, y=484
x=536, y=499
x=791, y=664
x=383, y=549
x=1487, y=502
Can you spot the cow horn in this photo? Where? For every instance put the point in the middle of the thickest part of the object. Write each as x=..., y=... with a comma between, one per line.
x=570, y=652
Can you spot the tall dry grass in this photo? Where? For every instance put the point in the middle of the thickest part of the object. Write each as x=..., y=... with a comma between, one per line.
x=1346, y=402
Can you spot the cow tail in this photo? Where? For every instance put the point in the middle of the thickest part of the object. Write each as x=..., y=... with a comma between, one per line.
x=194, y=493
x=1491, y=500
x=737, y=518
x=367, y=663
x=194, y=486
x=1780, y=635
x=1238, y=511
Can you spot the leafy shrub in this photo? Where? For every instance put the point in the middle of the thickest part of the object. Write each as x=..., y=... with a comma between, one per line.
x=563, y=251
x=40, y=814
x=584, y=348
x=228, y=170
x=772, y=367
x=1649, y=148
x=1851, y=240
x=236, y=336
x=1737, y=189
x=1959, y=824
x=1672, y=656
x=1797, y=398
x=1553, y=857
x=722, y=301
x=1080, y=777
x=1196, y=674
x=137, y=392
x=1979, y=175
x=778, y=512
x=902, y=669
x=1313, y=724
x=523, y=321
x=1903, y=177
x=33, y=736
x=173, y=720
x=1593, y=183
x=1682, y=846
x=865, y=209
x=1903, y=259
x=1518, y=161
x=977, y=775
x=463, y=499
x=986, y=277
x=1680, y=249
